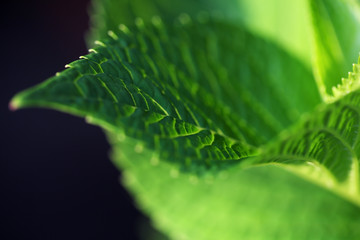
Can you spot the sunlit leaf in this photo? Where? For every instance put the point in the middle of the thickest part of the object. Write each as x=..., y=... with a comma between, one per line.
x=337, y=41
x=222, y=130
x=192, y=92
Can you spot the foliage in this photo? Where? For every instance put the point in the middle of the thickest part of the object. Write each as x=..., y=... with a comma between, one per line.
x=222, y=125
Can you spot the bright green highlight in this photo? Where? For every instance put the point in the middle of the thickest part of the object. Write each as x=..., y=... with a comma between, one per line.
x=337, y=42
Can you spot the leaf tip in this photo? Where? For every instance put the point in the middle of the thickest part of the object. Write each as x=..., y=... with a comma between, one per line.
x=14, y=104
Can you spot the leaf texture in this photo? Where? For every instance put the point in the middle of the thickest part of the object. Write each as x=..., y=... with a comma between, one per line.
x=324, y=147
x=205, y=95
x=257, y=203
x=108, y=14
x=195, y=106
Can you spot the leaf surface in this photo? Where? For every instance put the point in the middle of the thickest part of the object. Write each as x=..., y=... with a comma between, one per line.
x=108, y=14
x=258, y=203
x=287, y=23
x=324, y=146
x=290, y=28
x=188, y=90
x=336, y=42
x=205, y=95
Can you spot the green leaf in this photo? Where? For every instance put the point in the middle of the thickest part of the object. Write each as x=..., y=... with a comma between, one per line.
x=289, y=28
x=265, y=202
x=257, y=203
x=194, y=105
x=324, y=147
x=287, y=23
x=337, y=42
x=108, y=14
x=207, y=96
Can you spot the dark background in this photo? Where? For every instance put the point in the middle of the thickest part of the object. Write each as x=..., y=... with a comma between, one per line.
x=56, y=180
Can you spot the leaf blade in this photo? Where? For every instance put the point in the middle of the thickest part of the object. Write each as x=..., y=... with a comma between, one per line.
x=336, y=47
x=108, y=14
x=324, y=146
x=257, y=203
